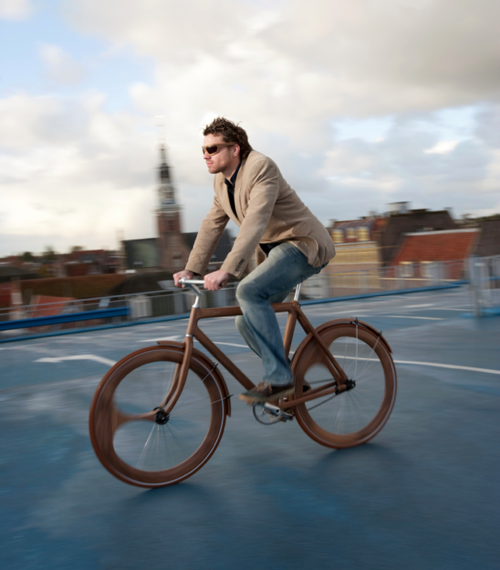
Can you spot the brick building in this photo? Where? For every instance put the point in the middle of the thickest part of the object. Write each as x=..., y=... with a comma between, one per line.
x=401, y=220
x=355, y=245
x=421, y=254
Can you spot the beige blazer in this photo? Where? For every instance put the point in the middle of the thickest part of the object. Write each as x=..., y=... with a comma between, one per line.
x=268, y=211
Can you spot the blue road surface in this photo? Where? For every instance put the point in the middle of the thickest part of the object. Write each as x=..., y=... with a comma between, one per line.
x=423, y=495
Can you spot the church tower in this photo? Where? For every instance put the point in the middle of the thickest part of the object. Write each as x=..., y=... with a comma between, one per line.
x=172, y=250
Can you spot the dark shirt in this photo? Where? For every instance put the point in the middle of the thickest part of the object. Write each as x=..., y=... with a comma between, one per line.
x=230, y=188
x=231, y=184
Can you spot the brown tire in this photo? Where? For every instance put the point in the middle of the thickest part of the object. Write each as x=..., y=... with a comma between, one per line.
x=351, y=417
x=137, y=449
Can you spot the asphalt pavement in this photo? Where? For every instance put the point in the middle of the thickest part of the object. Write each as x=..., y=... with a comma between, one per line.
x=424, y=494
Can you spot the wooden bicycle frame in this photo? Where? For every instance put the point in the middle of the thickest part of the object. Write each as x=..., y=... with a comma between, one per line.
x=294, y=314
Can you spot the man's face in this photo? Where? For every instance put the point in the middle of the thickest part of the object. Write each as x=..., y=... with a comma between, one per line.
x=225, y=160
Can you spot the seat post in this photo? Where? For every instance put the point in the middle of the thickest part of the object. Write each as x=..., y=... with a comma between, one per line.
x=297, y=292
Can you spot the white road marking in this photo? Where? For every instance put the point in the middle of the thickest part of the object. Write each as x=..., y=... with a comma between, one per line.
x=451, y=366
x=232, y=344
x=419, y=363
x=109, y=362
x=408, y=317
x=174, y=337
x=93, y=357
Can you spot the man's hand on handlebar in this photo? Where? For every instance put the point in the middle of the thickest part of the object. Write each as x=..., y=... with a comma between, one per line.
x=187, y=274
x=216, y=280
x=213, y=281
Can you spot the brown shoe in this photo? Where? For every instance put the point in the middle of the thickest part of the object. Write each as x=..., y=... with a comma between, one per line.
x=264, y=392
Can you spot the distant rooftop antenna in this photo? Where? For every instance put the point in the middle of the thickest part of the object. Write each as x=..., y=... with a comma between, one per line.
x=160, y=124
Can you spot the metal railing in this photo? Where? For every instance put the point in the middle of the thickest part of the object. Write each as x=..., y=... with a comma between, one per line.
x=484, y=279
x=330, y=284
x=65, y=316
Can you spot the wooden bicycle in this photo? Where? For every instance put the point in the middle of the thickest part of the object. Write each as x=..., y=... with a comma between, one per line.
x=159, y=414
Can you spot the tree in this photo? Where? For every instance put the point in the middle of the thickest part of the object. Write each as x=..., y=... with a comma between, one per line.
x=27, y=256
x=49, y=254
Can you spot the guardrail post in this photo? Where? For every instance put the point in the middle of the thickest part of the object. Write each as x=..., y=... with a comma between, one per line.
x=475, y=286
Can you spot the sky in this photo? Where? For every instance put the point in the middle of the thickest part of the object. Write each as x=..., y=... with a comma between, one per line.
x=360, y=103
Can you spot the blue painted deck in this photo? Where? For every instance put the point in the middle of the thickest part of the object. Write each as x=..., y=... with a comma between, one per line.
x=424, y=494
x=64, y=318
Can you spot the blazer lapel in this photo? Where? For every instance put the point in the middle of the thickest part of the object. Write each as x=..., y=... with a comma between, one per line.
x=238, y=191
x=222, y=194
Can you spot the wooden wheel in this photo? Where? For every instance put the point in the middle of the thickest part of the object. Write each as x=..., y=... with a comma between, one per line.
x=138, y=443
x=356, y=415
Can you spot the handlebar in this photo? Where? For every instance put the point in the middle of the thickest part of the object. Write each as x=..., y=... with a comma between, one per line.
x=193, y=283
x=185, y=281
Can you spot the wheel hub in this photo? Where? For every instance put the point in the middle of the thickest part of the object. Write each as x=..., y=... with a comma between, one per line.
x=349, y=385
x=161, y=417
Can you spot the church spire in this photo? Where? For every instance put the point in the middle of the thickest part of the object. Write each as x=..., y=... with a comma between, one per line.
x=166, y=188
x=164, y=169
x=171, y=247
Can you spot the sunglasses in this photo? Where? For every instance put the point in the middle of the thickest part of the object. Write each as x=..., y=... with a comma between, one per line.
x=212, y=149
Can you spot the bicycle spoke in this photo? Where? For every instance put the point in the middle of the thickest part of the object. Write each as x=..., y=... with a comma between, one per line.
x=140, y=461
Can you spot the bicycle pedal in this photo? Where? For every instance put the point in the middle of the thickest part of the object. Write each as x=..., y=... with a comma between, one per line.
x=283, y=415
x=287, y=415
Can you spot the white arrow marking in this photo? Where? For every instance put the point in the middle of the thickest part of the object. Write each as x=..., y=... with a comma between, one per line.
x=93, y=357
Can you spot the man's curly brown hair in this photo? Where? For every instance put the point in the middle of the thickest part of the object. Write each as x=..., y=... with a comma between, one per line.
x=230, y=132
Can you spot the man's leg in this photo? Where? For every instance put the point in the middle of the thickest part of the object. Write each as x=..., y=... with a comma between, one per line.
x=270, y=283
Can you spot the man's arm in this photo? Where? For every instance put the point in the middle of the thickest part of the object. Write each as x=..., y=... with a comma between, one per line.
x=206, y=241
x=208, y=237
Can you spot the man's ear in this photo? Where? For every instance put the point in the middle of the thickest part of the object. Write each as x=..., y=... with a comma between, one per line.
x=236, y=150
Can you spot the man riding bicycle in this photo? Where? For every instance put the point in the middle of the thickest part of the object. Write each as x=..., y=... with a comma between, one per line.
x=250, y=190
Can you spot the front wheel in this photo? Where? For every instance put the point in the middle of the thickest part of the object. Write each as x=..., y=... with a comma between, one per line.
x=136, y=442
x=354, y=416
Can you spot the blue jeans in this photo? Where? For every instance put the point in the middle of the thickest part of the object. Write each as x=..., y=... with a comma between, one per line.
x=270, y=283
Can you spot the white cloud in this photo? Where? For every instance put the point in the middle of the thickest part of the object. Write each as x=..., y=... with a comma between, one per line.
x=488, y=125
x=15, y=9
x=60, y=67
x=359, y=103
x=352, y=58
x=92, y=177
x=442, y=147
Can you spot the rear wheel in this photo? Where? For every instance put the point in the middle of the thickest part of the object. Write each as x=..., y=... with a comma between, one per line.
x=354, y=416
x=138, y=443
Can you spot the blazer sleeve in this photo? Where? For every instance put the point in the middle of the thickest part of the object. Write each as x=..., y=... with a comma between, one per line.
x=208, y=237
x=263, y=192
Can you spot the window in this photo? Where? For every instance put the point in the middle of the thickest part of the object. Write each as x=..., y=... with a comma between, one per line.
x=338, y=236
x=363, y=234
x=177, y=259
x=351, y=233
x=428, y=269
x=406, y=269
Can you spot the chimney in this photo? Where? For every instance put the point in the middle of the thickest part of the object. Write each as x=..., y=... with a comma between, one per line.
x=399, y=207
